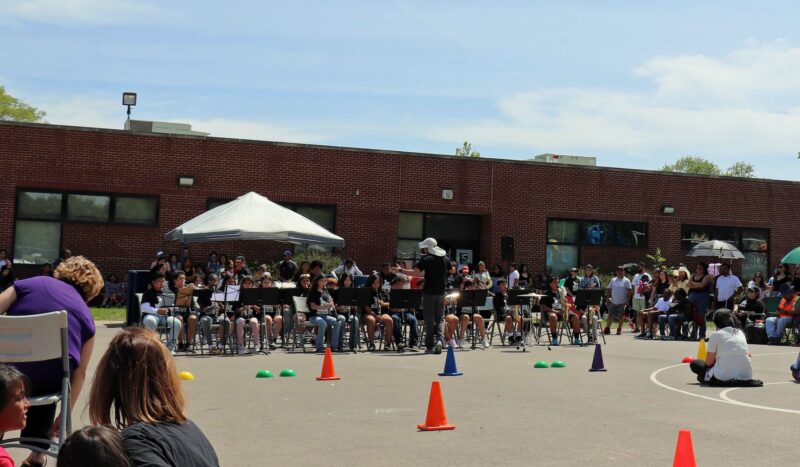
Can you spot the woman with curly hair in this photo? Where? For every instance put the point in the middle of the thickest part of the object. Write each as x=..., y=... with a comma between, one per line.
x=77, y=281
x=136, y=389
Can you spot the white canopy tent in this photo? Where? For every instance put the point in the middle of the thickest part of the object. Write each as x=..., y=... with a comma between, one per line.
x=253, y=217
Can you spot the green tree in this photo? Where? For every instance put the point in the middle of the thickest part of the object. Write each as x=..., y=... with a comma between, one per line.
x=741, y=169
x=13, y=109
x=700, y=166
x=466, y=151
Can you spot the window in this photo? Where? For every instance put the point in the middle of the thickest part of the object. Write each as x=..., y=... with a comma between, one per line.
x=88, y=208
x=36, y=242
x=217, y=202
x=565, y=238
x=559, y=231
x=453, y=232
x=325, y=216
x=752, y=242
x=562, y=257
x=35, y=205
x=141, y=210
x=410, y=225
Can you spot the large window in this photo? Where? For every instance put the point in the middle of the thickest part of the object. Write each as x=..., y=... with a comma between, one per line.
x=457, y=233
x=752, y=242
x=40, y=215
x=565, y=238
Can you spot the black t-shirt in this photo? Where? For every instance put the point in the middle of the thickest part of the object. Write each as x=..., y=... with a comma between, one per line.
x=500, y=303
x=435, y=269
x=287, y=270
x=386, y=277
x=571, y=284
x=318, y=298
x=243, y=272
x=756, y=306
x=551, y=300
x=152, y=297
x=168, y=444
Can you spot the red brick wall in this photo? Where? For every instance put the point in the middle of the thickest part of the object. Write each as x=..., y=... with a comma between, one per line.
x=515, y=198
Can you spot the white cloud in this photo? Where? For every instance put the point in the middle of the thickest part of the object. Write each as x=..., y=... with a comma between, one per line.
x=77, y=11
x=743, y=105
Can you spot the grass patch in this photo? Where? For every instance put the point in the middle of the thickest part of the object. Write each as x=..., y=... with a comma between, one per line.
x=108, y=314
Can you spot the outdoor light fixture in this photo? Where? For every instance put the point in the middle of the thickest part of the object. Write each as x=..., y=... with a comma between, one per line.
x=668, y=210
x=129, y=99
x=186, y=181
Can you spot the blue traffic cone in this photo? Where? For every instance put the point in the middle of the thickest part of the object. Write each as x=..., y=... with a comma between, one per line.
x=597, y=363
x=450, y=364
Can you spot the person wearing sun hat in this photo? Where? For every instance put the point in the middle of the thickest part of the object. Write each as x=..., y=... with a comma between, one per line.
x=434, y=264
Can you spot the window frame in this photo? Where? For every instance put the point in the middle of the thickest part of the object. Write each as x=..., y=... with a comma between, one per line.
x=580, y=233
x=686, y=245
x=64, y=216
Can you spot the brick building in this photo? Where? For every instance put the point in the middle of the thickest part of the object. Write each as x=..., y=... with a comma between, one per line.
x=112, y=195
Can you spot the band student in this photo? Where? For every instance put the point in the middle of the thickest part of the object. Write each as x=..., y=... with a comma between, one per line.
x=434, y=264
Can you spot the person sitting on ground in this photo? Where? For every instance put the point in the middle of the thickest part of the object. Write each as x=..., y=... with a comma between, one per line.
x=620, y=294
x=553, y=311
x=374, y=314
x=727, y=357
x=98, y=446
x=403, y=316
x=502, y=312
x=155, y=314
x=787, y=313
x=137, y=390
x=14, y=390
x=646, y=318
x=321, y=309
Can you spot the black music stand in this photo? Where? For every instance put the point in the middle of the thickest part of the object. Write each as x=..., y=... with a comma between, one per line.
x=254, y=297
x=473, y=299
x=405, y=300
x=364, y=297
x=589, y=299
x=348, y=296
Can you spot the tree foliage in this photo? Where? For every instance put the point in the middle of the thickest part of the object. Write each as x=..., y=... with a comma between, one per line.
x=466, y=150
x=700, y=166
x=13, y=109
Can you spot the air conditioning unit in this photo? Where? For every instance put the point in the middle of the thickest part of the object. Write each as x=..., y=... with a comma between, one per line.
x=447, y=194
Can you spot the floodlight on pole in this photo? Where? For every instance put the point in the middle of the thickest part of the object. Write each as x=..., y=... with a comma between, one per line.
x=129, y=99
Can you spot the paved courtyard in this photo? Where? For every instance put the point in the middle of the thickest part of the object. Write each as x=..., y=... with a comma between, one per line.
x=506, y=412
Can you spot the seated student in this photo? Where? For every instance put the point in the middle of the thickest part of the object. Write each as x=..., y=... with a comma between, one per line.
x=400, y=316
x=680, y=313
x=451, y=318
x=787, y=313
x=98, y=446
x=273, y=316
x=727, y=357
x=552, y=312
x=477, y=318
x=247, y=314
x=347, y=314
x=112, y=291
x=748, y=311
x=502, y=312
x=209, y=314
x=155, y=428
x=321, y=309
x=374, y=314
x=154, y=314
x=14, y=390
x=187, y=315
x=647, y=317
x=224, y=319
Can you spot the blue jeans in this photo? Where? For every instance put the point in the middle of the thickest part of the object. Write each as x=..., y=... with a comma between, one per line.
x=322, y=322
x=152, y=322
x=700, y=302
x=355, y=331
x=775, y=326
x=675, y=323
x=662, y=322
x=411, y=320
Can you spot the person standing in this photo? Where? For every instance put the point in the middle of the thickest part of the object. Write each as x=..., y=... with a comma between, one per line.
x=513, y=276
x=700, y=286
x=727, y=286
x=434, y=264
x=286, y=268
x=621, y=292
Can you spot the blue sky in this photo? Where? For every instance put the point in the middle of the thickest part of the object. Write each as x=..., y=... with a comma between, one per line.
x=636, y=84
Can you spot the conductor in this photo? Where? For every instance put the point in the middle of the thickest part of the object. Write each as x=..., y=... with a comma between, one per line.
x=434, y=264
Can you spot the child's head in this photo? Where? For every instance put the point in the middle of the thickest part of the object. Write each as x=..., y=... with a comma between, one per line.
x=14, y=390
x=98, y=446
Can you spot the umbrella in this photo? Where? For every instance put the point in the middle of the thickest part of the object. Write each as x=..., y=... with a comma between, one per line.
x=716, y=249
x=253, y=217
x=793, y=257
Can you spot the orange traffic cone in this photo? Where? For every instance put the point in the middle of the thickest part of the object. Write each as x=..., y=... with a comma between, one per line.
x=328, y=371
x=437, y=418
x=684, y=452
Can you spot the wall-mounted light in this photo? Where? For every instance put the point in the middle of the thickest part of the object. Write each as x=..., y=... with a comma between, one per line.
x=186, y=181
x=667, y=210
x=447, y=194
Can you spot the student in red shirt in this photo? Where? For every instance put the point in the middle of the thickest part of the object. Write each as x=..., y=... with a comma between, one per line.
x=14, y=389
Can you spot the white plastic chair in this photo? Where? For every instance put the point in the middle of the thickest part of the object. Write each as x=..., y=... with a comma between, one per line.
x=39, y=338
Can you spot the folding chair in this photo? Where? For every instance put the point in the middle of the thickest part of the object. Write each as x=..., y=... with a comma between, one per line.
x=300, y=306
x=39, y=338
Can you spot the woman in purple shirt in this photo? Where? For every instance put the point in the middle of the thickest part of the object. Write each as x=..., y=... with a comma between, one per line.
x=77, y=281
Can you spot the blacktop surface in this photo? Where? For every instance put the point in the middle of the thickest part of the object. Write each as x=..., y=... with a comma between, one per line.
x=505, y=411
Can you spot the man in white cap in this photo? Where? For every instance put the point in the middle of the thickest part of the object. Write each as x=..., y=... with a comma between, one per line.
x=434, y=264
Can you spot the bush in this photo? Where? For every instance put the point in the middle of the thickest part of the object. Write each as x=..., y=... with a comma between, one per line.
x=329, y=261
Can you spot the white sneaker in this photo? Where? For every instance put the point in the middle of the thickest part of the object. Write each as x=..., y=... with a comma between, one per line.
x=461, y=344
x=486, y=343
x=256, y=349
x=240, y=350
x=451, y=343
